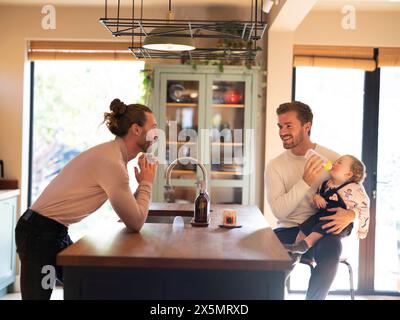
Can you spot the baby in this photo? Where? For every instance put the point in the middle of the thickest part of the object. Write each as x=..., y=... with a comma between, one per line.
x=344, y=189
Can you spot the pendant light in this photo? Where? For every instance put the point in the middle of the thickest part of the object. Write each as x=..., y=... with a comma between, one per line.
x=168, y=43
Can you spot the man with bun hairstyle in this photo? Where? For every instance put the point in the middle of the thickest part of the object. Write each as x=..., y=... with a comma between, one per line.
x=85, y=183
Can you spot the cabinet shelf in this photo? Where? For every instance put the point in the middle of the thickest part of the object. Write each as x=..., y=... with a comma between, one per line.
x=227, y=173
x=182, y=142
x=233, y=144
x=228, y=105
x=179, y=174
x=183, y=171
x=182, y=105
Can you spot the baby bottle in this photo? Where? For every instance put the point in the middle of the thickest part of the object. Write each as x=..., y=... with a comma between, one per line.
x=327, y=164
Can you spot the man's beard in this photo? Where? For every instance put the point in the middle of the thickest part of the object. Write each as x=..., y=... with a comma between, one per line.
x=145, y=146
x=293, y=142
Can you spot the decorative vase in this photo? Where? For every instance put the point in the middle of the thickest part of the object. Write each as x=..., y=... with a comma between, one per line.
x=232, y=97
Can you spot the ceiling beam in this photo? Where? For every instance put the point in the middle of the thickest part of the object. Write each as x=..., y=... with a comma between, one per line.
x=287, y=15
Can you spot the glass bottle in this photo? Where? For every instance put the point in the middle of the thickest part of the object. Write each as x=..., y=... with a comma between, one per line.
x=202, y=207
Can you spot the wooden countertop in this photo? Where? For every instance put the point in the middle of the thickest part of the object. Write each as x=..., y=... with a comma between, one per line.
x=170, y=209
x=5, y=194
x=252, y=247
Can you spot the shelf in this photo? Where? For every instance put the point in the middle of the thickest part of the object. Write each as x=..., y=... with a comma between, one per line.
x=183, y=172
x=182, y=105
x=214, y=144
x=233, y=144
x=228, y=105
x=182, y=143
x=227, y=173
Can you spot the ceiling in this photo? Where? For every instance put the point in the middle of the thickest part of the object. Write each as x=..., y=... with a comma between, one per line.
x=365, y=5
x=126, y=2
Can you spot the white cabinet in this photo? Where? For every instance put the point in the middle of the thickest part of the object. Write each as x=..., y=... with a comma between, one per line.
x=209, y=115
x=8, y=208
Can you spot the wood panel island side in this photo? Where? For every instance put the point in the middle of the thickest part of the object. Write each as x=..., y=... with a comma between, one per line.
x=175, y=261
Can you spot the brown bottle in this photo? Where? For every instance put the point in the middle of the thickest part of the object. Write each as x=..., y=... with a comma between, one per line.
x=202, y=207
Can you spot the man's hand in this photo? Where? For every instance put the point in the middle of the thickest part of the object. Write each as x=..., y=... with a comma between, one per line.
x=319, y=202
x=340, y=220
x=147, y=170
x=312, y=169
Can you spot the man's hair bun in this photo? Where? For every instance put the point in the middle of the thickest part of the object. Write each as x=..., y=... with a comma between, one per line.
x=118, y=107
x=122, y=116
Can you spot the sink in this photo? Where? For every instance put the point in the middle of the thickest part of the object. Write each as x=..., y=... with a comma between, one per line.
x=166, y=219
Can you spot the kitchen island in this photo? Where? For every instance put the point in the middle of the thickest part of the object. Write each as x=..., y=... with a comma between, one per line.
x=177, y=261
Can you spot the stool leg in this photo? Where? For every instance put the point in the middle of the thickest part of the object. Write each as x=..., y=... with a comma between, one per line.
x=352, y=295
x=287, y=284
x=351, y=282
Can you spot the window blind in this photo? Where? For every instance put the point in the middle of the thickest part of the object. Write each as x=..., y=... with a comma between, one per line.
x=334, y=57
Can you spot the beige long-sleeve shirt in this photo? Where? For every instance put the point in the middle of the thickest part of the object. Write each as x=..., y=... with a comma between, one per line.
x=88, y=180
x=289, y=196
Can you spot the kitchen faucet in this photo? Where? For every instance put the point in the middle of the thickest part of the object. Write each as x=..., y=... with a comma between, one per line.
x=202, y=203
x=203, y=183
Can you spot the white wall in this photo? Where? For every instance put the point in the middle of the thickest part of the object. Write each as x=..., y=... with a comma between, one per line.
x=279, y=89
x=378, y=29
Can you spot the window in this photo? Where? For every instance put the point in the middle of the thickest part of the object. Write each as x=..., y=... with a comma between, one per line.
x=70, y=98
x=387, y=232
x=336, y=99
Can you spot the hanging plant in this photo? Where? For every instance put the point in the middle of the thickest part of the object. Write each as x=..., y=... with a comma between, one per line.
x=146, y=85
x=228, y=46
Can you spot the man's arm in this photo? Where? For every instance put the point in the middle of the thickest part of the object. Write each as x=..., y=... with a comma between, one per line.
x=133, y=211
x=283, y=203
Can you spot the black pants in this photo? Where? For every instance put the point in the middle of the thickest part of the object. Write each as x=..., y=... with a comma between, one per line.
x=39, y=240
x=326, y=254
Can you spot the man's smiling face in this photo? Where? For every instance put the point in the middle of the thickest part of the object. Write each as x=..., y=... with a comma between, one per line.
x=291, y=131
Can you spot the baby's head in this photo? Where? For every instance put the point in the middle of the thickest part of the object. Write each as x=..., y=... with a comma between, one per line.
x=348, y=168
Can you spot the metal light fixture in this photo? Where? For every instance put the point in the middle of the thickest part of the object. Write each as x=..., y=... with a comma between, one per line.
x=174, y=39
x=157, y=41
x=168, y=43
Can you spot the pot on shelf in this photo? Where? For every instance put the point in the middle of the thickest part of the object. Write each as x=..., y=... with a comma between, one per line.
x=232, y=97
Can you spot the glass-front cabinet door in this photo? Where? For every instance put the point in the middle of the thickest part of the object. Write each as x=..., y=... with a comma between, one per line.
x=228, y=114
x=181, y=110
x=208, y=115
